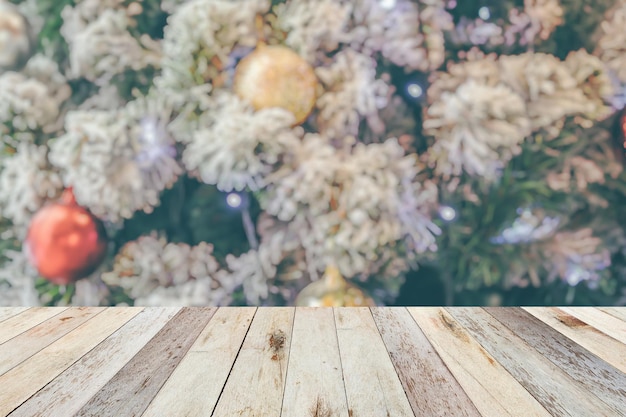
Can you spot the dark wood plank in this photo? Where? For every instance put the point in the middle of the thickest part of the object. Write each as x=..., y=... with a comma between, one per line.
x=431, y=388
x=71, y=390
x=559, y=393
x=592, y=339
x=130, y=391
x=597, y=376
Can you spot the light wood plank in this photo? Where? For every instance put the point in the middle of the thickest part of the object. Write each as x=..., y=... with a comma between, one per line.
x=202, y=373
x=491, y=387
x=597, y=376
x=30, y=318
x=22, y=347
x=132, y=389
x=602, y=321
x=314, y=376
x=560, y=394
x=592, y=339
x=33, y=374
x=619, y=312
x=372, y=385
x=258, y=390
x=71, y=390
x=422, y=372
x=8, y=312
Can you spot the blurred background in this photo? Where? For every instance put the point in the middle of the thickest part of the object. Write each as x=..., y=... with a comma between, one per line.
x=312, y=152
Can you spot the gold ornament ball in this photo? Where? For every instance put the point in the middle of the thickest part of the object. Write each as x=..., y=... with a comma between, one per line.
x=333, y=291
x=276, y=76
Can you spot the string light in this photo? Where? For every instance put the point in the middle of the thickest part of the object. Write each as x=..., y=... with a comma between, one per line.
x=415, y=90
x=447, y=213
x=484, y=13
x=233, y=200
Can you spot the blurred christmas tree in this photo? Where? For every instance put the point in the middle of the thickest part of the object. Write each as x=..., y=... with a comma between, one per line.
x=389, y=151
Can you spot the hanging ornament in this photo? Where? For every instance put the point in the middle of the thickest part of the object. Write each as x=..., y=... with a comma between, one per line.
x=333, y=291
x=276, y=76
x=65, y=242
x=16, y=39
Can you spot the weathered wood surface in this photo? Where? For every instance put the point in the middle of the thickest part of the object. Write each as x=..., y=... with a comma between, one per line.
x=309, y=362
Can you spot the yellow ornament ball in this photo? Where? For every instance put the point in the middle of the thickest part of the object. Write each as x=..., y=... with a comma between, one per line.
x=276, y=76
x=333, y=291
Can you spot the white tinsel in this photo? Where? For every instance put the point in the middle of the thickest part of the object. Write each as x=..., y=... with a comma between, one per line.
x=17, y=281
x=611, y=45
x=105, y=48
x=200, y=30
x=347, y=208
x=593, y=79
x=27, y=182
x=31, y=100
x=156, y=273
x=478, y=129
x=576, y=256
x=409, y=34
x=547, y=85
x=352, y=93
x=234, y=146
x=118, y=161
x=313, y=27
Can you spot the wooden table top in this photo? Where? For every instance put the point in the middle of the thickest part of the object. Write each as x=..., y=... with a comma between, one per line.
x=312, y=362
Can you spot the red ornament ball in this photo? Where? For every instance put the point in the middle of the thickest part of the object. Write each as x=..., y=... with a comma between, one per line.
x=65, y=242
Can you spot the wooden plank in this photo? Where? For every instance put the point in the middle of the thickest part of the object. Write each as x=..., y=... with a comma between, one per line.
x=22, y=347
x=258, y=390
x=67, y=393
x=422, y=372
x=559, y=393
x=602, y=321
x=30, y=318
x=214, y=353
x=314, y=385
x=598, y=343
x=597, y=376
x=132, y=389
x=372, y=385
x=488, y=384
x=30, y=376
x=8, y=312
x=619, y=312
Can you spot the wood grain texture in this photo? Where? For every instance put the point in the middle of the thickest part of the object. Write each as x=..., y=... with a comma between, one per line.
x=602, y=321
x=543, y=379
x=130, y=391
x=67, y=393
x=8, y=312
x=492, y=388
x=314, y=385
x=594, y=374
x=423, y=374
x=24, y=380
x=202, y=373
x=258, y=390
x=312, y=362
x=15, y=325
x=619, y=312
x=20, y=348
x=372, y=385
x=595, y=341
